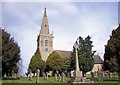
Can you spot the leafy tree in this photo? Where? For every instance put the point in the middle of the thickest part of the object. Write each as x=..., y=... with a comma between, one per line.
x=10, y=53
x=67, y=64
x=36, y=62
x=112, y=52
x=85, y=54
x=55, y=62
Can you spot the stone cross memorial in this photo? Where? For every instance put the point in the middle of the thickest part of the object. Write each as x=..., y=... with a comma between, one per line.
x=77, y=75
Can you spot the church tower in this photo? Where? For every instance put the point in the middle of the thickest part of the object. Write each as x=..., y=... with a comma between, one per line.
x=45, y=39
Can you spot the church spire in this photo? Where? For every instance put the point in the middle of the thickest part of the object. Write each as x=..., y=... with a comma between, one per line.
x=44, y=27
x=45, y=39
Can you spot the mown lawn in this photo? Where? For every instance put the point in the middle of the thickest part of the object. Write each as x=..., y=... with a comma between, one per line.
x=51, y=81
x=26, y=80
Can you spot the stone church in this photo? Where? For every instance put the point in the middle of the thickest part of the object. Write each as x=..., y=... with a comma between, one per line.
x=45, y=44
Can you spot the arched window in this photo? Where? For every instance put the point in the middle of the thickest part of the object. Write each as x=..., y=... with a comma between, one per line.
x=46, y=42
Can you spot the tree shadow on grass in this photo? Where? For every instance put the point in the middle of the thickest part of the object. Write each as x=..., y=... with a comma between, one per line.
x=6, y=78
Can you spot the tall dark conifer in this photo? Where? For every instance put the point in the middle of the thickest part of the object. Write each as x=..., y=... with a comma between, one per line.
x=36, y=62
x=10, y=53
x=112, y=52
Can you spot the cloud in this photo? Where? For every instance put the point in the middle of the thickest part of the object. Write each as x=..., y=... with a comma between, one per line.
x=60, y=1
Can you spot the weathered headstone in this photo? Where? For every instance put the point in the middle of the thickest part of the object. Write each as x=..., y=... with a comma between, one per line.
x=30, y=76
x=5, y=75
x=68, y=74
x=56, y=78
x=18, y=75
x=46, y=75
x=92, y=75
x=63, y=77
x=71, y=73
x=15, y=75
x=12, y=74
x=37, y=76
x=100, y=76
x=59, y=76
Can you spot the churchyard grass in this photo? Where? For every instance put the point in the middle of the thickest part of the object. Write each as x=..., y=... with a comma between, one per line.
x=51, y=80
x=26, y=80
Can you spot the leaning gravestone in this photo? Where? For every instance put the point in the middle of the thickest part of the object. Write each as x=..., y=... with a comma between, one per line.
x=37, y=76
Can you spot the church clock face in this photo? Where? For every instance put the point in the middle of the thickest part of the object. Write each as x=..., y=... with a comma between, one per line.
x=46, y=49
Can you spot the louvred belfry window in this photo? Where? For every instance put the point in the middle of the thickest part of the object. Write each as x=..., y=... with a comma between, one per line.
x=46, y=42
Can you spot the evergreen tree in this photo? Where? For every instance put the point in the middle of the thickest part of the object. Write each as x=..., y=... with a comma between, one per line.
x=67, y=65
x=36, y=62
x=10, y=53
x=55, y=62
x=85, y=54
x=112, y=52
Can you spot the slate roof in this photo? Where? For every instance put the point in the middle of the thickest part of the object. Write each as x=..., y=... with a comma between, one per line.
x=97, y=59
x=67, y=54
x=63, y=53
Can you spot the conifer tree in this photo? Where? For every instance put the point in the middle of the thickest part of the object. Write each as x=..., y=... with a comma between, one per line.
x=36, y=62
x=112, y=52
x=10, y=53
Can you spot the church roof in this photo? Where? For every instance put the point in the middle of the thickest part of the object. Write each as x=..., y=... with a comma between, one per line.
x=67, y=54
x=64, y=54
x=97, y=59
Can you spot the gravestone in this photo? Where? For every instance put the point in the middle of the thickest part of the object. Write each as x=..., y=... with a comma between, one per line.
x=56, y=78
x=59, y=76
x=18, y=75
x=5, y=75
x=30, y=76
x=46, y=75
x=15, y=75
x=92, y=75
x=100, y=76
x=37, y=76
x=12, y=74
x=63, y=77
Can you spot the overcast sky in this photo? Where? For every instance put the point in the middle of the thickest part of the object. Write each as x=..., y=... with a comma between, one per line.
x=67, y=20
